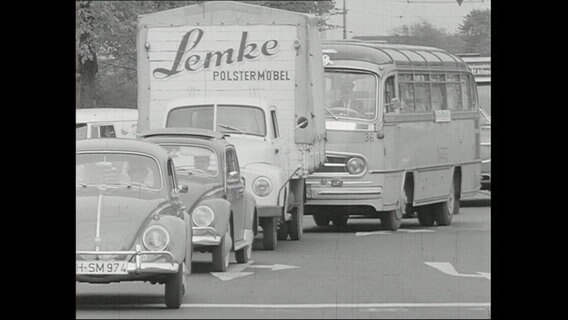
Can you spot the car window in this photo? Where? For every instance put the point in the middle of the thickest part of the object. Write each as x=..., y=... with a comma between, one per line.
x=194, y=160
x=232, y=163
x=117, y=169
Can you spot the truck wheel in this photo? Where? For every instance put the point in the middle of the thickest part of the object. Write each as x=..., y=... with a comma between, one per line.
x=174, y=289
x=220, y=253
x=425, y=216
x=444, y=212
x=321, y=220
x=243, y=255
x=340, y=220
x=269, y=229
x=296, y=225
x=283, y=230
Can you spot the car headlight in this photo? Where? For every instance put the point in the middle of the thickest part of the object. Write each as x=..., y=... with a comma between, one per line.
x=262, y=186
x=355, y=165
x=156, y=238
x=203, y=216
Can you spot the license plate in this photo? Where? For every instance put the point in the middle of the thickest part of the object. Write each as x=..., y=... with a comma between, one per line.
x=101, y=267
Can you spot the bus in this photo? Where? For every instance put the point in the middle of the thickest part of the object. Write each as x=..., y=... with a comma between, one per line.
x=481, y=69
x=405, y=141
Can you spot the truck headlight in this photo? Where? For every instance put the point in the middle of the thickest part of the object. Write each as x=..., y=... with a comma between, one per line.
x=156, y=238
x=203, y=216
x=355, y=165
x=262, y=186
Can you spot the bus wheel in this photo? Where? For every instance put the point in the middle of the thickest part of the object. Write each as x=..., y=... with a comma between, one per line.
x=321, y=220
x=444, y=212
x=340, y=220
x=425, y=216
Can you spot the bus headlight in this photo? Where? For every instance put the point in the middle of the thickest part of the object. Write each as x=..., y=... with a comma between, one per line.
x=355, y=165
x=262, y=186
x=156, y=238
x=203, y=216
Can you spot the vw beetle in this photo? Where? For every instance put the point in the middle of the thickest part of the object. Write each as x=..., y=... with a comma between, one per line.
x=130, y=222
x=223, y=213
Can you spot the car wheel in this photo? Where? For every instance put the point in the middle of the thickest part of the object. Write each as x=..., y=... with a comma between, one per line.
x=295, y=227
x=425, y=216
x=340, y=221
x=321, y=220
x=220, y=253
x=391, y=220
x=174, y=289
x=243, y=255
x=269, y=230
x=444, y=212
x=283, y=230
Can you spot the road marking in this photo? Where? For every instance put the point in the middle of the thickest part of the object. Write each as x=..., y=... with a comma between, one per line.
x=448, y=268
x=236, y=270
x=359, y=234
x=338, y=305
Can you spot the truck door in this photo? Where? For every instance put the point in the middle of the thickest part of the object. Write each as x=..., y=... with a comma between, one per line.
x=235, y=193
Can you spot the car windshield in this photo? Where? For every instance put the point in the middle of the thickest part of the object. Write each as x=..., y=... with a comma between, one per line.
x=192, y=160
x=117, y=169
x=350, y=95
x=231, y=119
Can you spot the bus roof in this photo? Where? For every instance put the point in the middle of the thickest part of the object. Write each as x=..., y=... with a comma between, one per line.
x=403, y=56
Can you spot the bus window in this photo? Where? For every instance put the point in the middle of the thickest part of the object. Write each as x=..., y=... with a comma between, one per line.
x=422, y=97
x=467, y=88
x=438, y=92
x=351, y=95
x=406, y=89
x=80, y=131
x=389, y=94
x=454, y=92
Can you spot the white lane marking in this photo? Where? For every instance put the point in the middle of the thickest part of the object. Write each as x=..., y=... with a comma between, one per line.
x=236, y=270
x=448, y=268
x=337, y=305
x=274, y=267
x=359, y=234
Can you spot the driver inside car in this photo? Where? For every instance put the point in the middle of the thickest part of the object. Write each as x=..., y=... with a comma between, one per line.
x=347, y=105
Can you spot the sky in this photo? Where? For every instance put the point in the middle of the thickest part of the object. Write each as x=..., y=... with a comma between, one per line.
x=380, y=17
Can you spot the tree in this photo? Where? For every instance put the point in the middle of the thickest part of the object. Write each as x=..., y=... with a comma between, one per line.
x=425, y=34
x=106, y=53
x=476, y=32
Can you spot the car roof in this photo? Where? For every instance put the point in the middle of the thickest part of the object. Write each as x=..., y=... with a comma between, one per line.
x=119, y=144
x=187, y=135
x=105, y=114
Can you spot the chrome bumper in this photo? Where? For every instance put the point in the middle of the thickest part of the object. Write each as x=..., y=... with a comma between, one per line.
x=137, y=266
x=205, y=236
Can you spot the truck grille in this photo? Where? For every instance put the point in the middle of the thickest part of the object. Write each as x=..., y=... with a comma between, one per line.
x=335, y=163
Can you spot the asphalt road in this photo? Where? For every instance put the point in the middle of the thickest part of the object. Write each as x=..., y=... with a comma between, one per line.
x=356, y=271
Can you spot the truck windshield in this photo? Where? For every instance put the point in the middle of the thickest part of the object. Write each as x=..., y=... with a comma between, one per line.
x=232, y=119
x=350, y=95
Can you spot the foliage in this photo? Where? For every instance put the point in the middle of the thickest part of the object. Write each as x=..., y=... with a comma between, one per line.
x=476, y=32
x=425, y=34
x=106, y=45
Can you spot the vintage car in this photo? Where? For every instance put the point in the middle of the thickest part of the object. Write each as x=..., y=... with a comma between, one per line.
x=105, y=123
x=130, y=222
x=224, y=217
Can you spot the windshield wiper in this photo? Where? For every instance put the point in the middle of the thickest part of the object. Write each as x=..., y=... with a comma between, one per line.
x=332, y=114
x=224, y=126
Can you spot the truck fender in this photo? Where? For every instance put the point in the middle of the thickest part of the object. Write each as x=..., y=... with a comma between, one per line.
x=222, y=210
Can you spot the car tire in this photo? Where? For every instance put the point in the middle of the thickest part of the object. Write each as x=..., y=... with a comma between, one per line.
x=269, y=233
x=220, y=254
x=295, y=225
x=445, y=211
x=243, y=255
x=321, y=220
x=425, y=216
x=391, y=220
x=174, y=289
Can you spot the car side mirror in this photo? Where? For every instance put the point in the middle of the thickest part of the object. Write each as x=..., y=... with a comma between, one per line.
x=302, y=122
x=183, y=188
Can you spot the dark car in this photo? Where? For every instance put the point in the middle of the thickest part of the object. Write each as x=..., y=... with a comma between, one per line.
x=130, y=222
x=223, y=212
